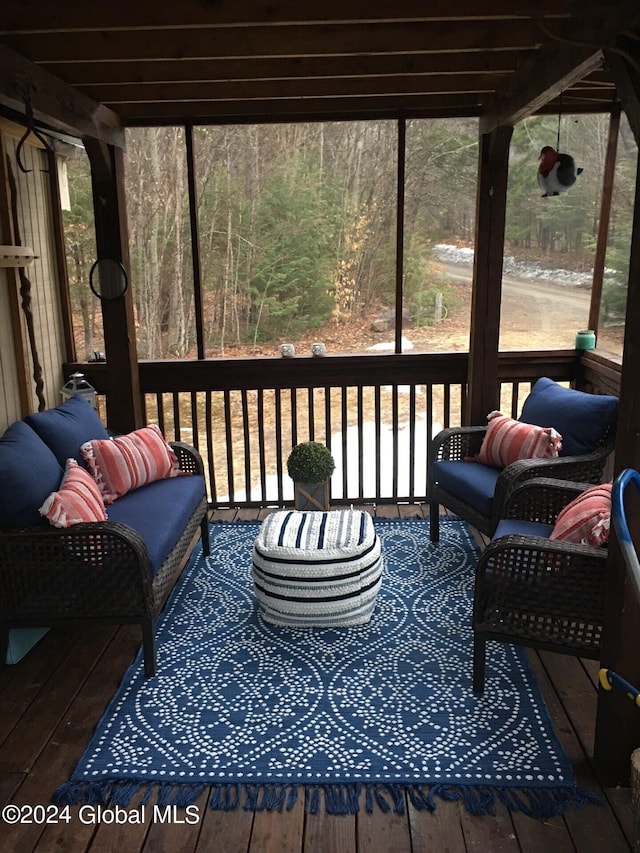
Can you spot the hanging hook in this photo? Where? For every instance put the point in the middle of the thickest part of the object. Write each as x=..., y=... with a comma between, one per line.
x=31, y=129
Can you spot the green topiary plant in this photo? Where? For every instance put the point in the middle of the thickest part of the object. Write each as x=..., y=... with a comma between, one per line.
x=310, y=462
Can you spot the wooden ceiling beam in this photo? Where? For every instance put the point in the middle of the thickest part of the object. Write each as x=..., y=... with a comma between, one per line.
x=133, y=73
x=337, y=108
x=569, y=55
x=326, y=40
x=541, y=79
x=55, y=104
x=46, y=16
x=470, y=84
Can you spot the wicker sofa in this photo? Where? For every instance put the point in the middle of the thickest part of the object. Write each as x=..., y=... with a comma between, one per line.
x=116, y=571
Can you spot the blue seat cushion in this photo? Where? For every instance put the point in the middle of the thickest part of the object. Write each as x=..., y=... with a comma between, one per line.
x=582, y=420
x=470, y=482
x=29, y=472
x=66, y=427
x=507, y=526
x=159, y=512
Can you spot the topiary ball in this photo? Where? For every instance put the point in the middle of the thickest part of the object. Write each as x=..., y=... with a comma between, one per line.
x=310, y=462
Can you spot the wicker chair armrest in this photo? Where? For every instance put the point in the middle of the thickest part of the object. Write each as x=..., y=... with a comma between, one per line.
x=580, y=469
x=189, y=459
x=454, y=443
x=541, y=499
x=88, y=542
x=92, y=570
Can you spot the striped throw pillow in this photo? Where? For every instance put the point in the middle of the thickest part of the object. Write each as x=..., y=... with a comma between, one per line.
x=78, y=499
x=127, y=462
x=587, y=518
x=507, y=440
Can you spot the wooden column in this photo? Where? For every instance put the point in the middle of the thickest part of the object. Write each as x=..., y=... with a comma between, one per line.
x=618, y=719
x=603, y=222
x=493, y=168
x=124, y=400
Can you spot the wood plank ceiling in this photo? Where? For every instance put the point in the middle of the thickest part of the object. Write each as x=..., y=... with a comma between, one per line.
x=229, y=60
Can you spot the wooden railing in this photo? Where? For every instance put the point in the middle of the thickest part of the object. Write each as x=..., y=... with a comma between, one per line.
x=377, y=414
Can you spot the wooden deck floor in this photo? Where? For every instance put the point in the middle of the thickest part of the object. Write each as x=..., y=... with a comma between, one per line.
x=51, y=701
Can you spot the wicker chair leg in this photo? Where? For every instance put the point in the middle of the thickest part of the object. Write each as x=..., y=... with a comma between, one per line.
x=434, y=521
x=204, y=527
x=479, y=654
x=149, y=647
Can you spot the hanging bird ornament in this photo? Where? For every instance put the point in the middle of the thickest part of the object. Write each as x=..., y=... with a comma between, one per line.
x=557, y=172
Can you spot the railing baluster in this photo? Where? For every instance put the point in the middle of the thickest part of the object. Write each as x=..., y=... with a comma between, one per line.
x=261, y=447
x=228, y=432
x=360, y=443
x=194, y=437
x=160, y=413
x=176, y=415
x=208, y=416
x=412, y=440
x=247, y=444
x=394, y=434
x=311, y=414
x=279, y=449
x=344, y=425
x=378, y=430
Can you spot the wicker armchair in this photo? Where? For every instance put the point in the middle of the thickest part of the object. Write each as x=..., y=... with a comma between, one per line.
x=478, y=493
x=95, y=572
x=534, y=591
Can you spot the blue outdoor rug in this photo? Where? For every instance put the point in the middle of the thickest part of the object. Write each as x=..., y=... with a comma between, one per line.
x=351, y=718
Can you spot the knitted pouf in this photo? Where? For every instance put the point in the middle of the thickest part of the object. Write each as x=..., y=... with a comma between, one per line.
x=317, y=568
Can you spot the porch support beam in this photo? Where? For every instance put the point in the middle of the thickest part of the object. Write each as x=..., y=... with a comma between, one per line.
x=54, y=103
x=604, y=220
x=626, y=75
x=124, y=400
x=493, y=168
x=618, y=722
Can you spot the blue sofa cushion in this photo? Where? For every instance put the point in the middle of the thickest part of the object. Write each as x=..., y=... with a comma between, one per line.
x=470, y=482
x=582, y=419
x=517, y=527
x=29, y=472
x=66, y=427
x=159, y=512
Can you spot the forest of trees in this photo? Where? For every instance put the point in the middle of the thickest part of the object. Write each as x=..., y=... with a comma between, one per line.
x=297, y=223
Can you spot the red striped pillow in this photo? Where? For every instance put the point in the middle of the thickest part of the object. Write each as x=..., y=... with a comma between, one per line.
x=78, y=499
x=507, y=440
x=587, y=518
x=127, y=462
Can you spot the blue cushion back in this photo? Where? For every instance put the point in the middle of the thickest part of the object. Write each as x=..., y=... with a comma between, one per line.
x=66, y=427
x=29, y=472
x=583, y=420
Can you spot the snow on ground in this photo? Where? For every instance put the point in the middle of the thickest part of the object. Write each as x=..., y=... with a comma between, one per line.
x=463, y=256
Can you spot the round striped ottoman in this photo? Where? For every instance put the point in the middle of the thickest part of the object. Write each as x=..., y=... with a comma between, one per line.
x=320, y=569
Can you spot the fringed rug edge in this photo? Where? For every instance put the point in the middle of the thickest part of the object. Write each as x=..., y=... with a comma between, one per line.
x=336, y=798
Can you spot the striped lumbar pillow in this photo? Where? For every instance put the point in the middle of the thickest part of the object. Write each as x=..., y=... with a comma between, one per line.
x=121, y=464
x=78, y=499
x=507, y=441
x=587, y=518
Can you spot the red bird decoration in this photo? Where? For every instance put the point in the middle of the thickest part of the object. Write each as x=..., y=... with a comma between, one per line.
x=557, y=172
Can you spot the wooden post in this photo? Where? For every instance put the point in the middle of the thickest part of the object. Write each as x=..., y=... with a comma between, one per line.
x=493, y=168
x=603, y=222
x=124, y=401
x=618, y=719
